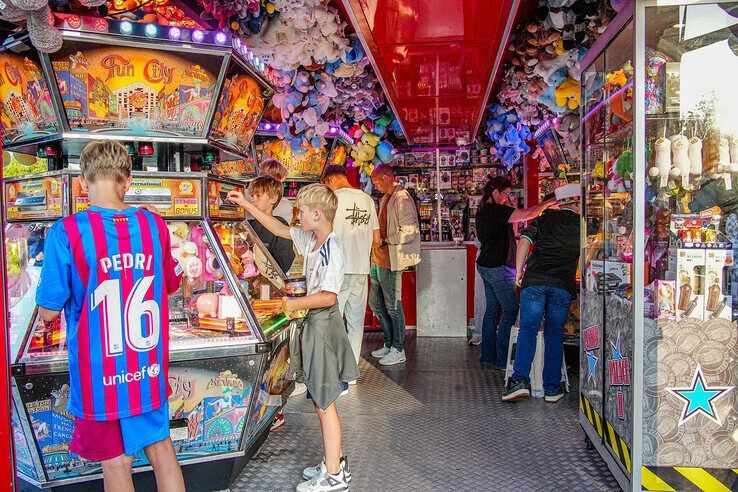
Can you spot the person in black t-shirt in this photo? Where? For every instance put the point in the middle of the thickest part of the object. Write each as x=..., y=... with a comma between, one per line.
x=548, y=283
x=266, y=192
x=496, y=265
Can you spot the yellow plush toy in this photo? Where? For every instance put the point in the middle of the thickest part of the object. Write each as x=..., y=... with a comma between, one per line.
x=568, y=94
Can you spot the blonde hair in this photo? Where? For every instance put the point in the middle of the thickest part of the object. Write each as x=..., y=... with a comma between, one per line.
x=106, y=160
x=266, y=184
x=273, y=167
x=318, y=197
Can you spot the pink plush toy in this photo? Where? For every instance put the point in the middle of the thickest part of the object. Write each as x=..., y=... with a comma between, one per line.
x=249, y=266
x=207, y=305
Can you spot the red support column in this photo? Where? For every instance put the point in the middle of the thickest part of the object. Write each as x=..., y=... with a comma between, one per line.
x=7, y=466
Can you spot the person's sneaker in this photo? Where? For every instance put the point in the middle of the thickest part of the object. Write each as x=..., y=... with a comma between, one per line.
x=393, y=357
x=554, y=396
x=300, y=388
x=324, y=483
x=379, y=353
x=517, y=390
x=278, y=421
x=475, y=340
x=351, y=383
x=344, y=392
x=317, y=470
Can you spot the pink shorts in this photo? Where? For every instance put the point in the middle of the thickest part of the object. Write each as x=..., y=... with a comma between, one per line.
x=105, y=440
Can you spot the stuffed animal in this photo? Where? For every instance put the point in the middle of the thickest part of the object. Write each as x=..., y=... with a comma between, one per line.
x=680, y=158
x=568, y=94
x=207, y=305
x=710, y=152
x=695, y=156
x=549, y=99
x=662, y=164
x=249, y=265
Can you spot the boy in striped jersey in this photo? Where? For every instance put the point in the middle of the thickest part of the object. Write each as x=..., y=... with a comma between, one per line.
x=111, y=270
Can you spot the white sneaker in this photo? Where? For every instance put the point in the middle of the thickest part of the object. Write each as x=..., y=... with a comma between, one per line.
x=394, y=357
x=300, y=388
x=344, y=392
x=317, y=470
x=351, y=383
x=325, y=482
x=379, y=353
x=475, y=340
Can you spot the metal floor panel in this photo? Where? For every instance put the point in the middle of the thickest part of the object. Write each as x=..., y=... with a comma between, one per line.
x=436, y=423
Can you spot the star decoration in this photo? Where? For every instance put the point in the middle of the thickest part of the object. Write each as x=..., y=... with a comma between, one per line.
x=700, y=398
x=616, y=355
x=592, y=359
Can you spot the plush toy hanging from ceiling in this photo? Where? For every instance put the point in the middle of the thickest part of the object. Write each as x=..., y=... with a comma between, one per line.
x=39, y=21
x=508, y=134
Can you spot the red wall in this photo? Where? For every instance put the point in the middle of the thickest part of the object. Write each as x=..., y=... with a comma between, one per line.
x=371, y=323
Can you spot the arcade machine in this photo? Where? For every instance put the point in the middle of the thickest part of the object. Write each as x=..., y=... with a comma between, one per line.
x=228, y=349
x=228, y=335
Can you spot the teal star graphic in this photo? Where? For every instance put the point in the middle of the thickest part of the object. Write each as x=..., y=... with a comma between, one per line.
x=700, y=398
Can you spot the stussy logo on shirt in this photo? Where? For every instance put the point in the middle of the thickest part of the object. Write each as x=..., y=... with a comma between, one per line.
x=357, y=216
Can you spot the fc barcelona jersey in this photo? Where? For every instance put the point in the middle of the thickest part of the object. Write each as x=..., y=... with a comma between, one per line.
x=111, y=272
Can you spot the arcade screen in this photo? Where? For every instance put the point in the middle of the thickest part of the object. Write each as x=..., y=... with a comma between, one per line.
x=26, y=111
x=307, y=166
x=124, y=90
x=240, y=106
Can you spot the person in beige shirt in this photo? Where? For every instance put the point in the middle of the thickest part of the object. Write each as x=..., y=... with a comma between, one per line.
x=400, y=249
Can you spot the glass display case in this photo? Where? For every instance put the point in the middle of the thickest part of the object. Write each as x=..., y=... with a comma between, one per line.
x=228, y=335
x=659, y=334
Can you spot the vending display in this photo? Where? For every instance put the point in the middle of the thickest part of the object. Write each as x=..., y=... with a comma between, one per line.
x=305, y=166
x=659, y=280
x=227, y=331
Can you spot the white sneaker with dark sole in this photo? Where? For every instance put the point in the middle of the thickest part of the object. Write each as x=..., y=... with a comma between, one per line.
x=393, y=357
x=324, y=482
x=317, y=470
x=475, y=340
x=379, y=353
x=300, y=388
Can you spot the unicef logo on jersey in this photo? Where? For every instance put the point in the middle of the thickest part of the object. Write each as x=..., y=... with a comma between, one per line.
x=128, y=377
x=153, y=371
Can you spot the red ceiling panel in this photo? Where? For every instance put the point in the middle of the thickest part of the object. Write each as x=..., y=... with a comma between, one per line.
x=435, y=59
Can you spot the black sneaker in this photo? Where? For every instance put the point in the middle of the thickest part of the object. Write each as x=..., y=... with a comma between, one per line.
x=554, y=396
x=517, y=390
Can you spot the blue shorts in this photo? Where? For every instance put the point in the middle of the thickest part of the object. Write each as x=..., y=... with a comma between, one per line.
x=105, y=440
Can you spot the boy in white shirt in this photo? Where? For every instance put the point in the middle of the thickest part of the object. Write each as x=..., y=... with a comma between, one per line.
x=327, y=359
x=357, y=225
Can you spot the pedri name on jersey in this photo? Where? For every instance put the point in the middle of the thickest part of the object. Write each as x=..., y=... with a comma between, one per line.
x=126, y=261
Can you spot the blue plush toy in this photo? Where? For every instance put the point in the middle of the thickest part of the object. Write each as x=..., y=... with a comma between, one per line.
x=355, y=52
x=385, y=151
x=556, y=78
x=548, y=99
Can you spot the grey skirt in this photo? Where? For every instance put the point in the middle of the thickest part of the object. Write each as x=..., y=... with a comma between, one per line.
x=327, y=358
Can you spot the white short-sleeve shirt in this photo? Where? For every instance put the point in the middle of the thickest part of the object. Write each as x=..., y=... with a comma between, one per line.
x=355, y=223
x=322, y=268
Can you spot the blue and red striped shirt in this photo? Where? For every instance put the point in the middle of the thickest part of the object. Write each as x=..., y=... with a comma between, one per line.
x=111, y=271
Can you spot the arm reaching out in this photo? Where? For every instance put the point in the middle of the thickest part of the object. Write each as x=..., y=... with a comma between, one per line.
x=47, y=315
x=524, y=215
x=272, y=223
x=520, y=256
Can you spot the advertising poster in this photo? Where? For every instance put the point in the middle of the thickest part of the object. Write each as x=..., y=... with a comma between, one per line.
x=121, y=90
x=220, y=207
x=23, y=457
x=304, y=166
x=240, y=106
x=242, y=168
x=273, y=382
x=26, y=111
x=39, y=198
x=172, y=197
x=214, y=405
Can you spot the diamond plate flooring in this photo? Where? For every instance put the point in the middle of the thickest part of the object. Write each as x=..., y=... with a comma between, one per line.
x=435, y=423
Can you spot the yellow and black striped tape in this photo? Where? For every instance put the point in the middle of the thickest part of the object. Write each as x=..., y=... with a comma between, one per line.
x=658, y=478
x=606, y=431
x=687, y=479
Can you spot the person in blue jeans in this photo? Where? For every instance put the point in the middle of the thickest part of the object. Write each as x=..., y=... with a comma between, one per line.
x=548, y=283
x=496, y=266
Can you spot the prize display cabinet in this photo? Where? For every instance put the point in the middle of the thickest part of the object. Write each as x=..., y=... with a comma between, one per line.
x=659, y=339
x=228, y=335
